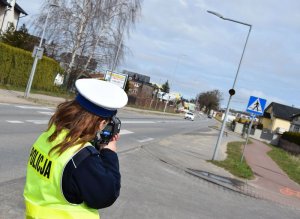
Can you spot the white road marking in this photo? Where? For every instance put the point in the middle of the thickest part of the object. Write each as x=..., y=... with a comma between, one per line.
x=137, y=122
x=33, y=107
x=125, y=132
x=14, y=121
x=170, y=121
x=38, y=122
x=46, y=113
x=145, y=140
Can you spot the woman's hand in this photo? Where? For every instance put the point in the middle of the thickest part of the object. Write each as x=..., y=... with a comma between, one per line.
x=112, y=145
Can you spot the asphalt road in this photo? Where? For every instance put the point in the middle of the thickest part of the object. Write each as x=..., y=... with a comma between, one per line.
x=150, y=187
x=20, y=125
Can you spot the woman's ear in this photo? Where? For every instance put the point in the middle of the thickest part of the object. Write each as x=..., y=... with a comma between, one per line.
x=103, y=123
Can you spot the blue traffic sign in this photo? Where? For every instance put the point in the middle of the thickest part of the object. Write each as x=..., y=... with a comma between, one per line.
x=256, y=105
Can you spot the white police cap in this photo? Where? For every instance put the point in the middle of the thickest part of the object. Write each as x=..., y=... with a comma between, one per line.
x=101, y=98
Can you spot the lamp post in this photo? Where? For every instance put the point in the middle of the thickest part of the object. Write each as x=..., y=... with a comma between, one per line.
x=37, y=54
x=119, y=47
x=231, y=91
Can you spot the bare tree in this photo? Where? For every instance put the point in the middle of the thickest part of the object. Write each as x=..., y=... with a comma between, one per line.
x=210, y=99
x=90, y=28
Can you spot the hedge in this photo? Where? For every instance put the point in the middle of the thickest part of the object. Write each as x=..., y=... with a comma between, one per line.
x=15, y=68
x=292, y=137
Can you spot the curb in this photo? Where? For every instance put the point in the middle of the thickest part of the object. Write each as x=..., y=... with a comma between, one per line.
x=243, y=188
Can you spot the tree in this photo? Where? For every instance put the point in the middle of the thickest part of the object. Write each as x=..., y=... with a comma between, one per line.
x=19, y=38
x=165, y=87
x=210, y=100
x=89, y=28
x=192, y=100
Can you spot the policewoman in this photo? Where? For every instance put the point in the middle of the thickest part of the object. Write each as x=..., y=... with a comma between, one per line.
x=66, y=176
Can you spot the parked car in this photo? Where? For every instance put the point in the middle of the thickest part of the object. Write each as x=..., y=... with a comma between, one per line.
x=190, y=116
x=209, y=116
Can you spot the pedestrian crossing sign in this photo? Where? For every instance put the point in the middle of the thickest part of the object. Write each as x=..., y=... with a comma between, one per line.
x=256, y=105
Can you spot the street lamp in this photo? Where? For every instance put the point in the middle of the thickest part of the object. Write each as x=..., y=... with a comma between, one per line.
x=175, y=70
x=119, y=47
x=231, y=91
x=37, y=54
x=121, y=39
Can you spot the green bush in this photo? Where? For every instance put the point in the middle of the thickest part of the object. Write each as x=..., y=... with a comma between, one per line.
x=15, y=68
x=292, y=137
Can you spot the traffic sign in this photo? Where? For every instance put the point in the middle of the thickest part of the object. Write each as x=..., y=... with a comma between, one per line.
x=38, y=52
x=256, y=105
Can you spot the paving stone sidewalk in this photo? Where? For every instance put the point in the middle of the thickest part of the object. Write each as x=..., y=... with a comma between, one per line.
x=271, y=181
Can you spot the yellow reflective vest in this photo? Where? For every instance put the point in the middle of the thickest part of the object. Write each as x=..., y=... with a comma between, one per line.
x=43, y=189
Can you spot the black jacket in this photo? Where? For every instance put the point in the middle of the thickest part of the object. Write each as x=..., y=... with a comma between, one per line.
x=96, y=180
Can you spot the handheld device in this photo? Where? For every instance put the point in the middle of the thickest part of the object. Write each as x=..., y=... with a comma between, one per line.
x=112, y=128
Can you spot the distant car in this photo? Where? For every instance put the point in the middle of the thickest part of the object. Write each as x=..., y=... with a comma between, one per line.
x=190, y=116
x=209, y=116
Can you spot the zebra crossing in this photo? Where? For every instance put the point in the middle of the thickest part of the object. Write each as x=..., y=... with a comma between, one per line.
x=47, y=111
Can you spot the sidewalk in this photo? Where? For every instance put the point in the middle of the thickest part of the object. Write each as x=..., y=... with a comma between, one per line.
x=11, y=96
x=271, y=181
x=190, y=152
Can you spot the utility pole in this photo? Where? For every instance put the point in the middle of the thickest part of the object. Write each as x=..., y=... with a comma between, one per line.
x=37, y=53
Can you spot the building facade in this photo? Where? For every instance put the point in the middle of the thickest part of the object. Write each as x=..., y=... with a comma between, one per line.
x=295, y=124
x=277, y=117
x=10, y=13
x=133, y=76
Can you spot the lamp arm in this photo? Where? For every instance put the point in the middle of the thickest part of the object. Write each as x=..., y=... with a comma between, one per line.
x=239, y=22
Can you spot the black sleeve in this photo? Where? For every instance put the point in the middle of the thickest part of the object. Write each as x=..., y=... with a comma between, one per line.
x=96, y=181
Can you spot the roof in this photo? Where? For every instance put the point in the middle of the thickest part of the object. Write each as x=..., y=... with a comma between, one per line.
x=267, y=115
x=296, y=115
x=283, y=111
x=4, y=2
x=19, y=9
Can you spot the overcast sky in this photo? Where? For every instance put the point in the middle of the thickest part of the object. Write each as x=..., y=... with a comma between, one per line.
x=178, y=41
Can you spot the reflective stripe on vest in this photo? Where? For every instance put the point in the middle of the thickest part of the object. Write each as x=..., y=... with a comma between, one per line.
x=43, y=194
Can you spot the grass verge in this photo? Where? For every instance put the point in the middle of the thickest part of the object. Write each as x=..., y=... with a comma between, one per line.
x=289, y=163
x=233, y=161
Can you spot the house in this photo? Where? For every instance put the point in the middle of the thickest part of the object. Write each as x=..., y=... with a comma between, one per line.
x=295, y=123
x=277, y=117
x=133, y=76
x=172, y=96
x=140, y=89
x=10, y=13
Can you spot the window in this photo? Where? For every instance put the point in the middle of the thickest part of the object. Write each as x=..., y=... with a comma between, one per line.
x=296, y=128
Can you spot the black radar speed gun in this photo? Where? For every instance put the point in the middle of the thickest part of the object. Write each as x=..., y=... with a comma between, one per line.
x=111, y=129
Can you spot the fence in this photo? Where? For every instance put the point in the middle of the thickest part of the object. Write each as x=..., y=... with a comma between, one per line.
x=262, y=135
x=150, y=104
x=289, y=146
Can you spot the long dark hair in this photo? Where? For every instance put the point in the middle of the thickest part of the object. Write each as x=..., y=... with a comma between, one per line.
x=81, y=124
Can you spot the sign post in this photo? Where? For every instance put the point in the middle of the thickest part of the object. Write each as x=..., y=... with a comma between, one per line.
x=118, y=79
x=256, y=106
